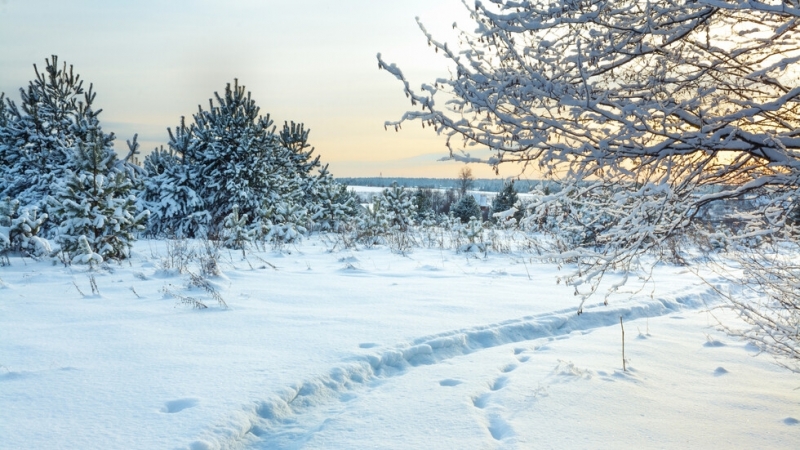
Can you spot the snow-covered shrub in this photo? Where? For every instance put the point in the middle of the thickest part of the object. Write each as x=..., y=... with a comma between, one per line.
x=82, y=253
x=179, y=254
x=429, y=230
x=508, y=218
x=24, y=233
x=571, y=221
x=473, y=232
x=20, y=229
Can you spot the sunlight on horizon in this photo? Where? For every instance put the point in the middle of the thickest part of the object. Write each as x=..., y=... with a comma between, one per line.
x=306, y=61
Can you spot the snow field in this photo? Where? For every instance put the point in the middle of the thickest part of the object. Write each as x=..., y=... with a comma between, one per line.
x=369, y=349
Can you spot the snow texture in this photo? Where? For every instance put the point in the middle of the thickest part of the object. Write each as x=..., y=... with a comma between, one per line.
x=371, y=349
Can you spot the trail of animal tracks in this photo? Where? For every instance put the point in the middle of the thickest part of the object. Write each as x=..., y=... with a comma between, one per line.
x=370, y=349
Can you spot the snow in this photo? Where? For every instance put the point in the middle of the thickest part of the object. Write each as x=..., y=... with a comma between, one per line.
x=324, y=347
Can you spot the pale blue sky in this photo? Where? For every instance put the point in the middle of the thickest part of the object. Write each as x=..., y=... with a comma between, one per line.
x=312, y=61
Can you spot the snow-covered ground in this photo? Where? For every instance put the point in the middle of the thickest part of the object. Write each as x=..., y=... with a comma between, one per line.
x=341, y=349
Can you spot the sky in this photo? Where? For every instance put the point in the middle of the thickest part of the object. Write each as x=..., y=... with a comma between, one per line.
x=310, y=61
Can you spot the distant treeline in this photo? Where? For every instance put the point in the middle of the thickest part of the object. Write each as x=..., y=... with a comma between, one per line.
x=486, y=185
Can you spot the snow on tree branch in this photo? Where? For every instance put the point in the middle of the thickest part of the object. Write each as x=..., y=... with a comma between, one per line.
x=643, y=113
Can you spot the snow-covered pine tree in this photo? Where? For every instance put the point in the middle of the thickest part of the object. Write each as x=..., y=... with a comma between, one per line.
x=506, y=199
x=96, y=214
x=169, y=193
x=232, y=155
x=286, y=222
x=466, y=208
x=400, y=207
x=329, y=203
x=294, y=137
x=374, y=222
x=235, y=153
x=423, y=200
x=229, y=155
x=473, y=231
x=235, y=233
x=36, y=151
x=20, y=228
x=4, y=140
x=332, y=204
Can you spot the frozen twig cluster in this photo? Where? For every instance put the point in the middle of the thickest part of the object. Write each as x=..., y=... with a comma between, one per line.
x=645, y=113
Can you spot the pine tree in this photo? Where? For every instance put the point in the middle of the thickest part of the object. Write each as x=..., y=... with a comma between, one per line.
x=5, y=141
x=169, y=193
x=473, y=231
x=466, y=208
x=374, y=222
x=229, y=152
x=285, y=222
x=229, y=155
x=423, y=201
x=36, y=149
x=506, y=199
x=294, y=137
x=235, y=233
x=232, y=155
x=96, y=213
x=400, y=207
x=331, y=203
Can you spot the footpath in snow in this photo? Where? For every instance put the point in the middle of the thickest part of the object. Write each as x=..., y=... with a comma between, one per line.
x=370, y=349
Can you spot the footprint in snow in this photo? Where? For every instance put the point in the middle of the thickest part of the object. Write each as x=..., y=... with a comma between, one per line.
x=367, y=345
x=523, y=359
x=450, y=382
x=480, y=401
x=499, y=383
x=719, y=371
x=509, y=368
x=713, y=343
x=791, y=421
x=499, y=428
x=179, y=405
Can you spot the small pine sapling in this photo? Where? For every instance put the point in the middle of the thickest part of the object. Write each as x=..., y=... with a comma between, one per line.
x=235, y=232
